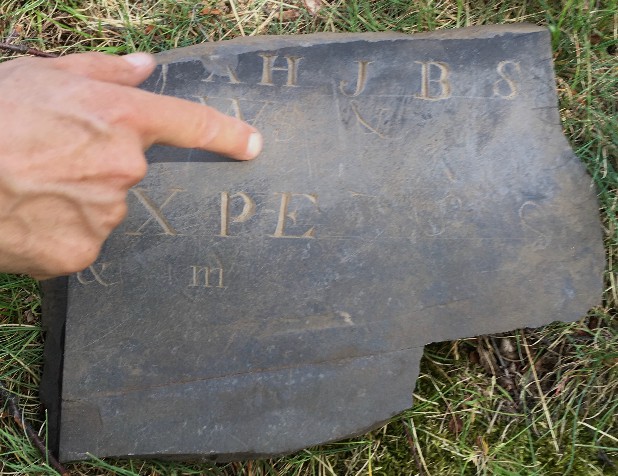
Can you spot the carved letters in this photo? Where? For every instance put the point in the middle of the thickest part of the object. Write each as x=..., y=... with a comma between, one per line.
x=268, y=68
x=434, y=86
x=207, y=277
x=95, y=273
x=231, y=74
x=292, y=215
x=155, y=211
x=243, y=109
x=248, y=210
x=436, y=78
x=284, y=215
x=361, y=80
x=506, y=87
x=435, y=81
x=374, y=129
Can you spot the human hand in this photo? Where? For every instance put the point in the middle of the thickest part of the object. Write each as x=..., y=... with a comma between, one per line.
x=72, y=135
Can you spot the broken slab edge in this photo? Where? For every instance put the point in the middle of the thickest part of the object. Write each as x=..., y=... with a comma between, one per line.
x=248, y=44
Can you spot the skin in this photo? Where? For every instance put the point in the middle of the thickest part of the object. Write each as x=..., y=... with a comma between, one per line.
x=73, y=131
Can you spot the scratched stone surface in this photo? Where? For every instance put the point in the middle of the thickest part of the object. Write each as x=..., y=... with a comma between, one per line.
x=412, y=189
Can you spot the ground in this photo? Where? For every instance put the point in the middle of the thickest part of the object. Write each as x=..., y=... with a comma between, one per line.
x=532, y=402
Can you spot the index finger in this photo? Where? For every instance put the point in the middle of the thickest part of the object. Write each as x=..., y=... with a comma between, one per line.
x=181, y=123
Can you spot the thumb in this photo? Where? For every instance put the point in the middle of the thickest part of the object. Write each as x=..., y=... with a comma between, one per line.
x=129, y=70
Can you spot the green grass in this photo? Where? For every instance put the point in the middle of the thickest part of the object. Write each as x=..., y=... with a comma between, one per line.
x=551, y=412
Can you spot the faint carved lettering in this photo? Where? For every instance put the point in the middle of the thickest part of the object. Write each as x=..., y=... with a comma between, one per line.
x=285, y=214
x=361, y=120
x=96, y=275
x=155, y=211
x=430, y=225
x=361, y=79
x=506, y=87
x=206, y=277
x=429, y=79
x=527, y=215
x=448, y=170
x=248, y=210
x=435, y=219
x=235, y=109
x=284, y=121
x=231, y=74
x=268, y=67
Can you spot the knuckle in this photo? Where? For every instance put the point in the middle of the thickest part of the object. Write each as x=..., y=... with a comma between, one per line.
x=115, y=215
x=132, y=169
x=139, y=169
x=117, y=112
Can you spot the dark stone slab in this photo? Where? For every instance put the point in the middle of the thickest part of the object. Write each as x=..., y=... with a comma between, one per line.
x=412, y=189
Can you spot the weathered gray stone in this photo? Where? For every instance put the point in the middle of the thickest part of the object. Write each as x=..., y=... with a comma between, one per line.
x=412, y=189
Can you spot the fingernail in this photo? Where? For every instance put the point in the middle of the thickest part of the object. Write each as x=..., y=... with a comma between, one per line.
x=254, y=146
x=139, y=60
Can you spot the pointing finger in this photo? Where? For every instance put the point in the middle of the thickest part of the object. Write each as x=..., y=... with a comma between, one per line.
x=172, y=121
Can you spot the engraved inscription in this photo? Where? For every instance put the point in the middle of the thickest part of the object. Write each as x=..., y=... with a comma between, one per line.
x=268, y=67
x=364, y=122
x=249, y=111
x=361, y=79
x=440, y=216
x=284, y=120
x=237, y=111
x=231, y=74
x=206, y=277
x=285, y=214
x=527, y=213
x=506, y=87
x=248, y=210
x=448, y=170
x=434, y=80
x=156, y=212
x=93, y=275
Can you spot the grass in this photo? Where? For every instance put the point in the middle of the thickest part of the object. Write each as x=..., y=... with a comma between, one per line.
x=533, y=402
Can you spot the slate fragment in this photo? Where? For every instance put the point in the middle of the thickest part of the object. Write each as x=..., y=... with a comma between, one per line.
x=412, y=189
